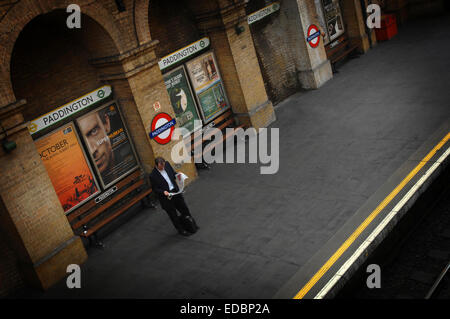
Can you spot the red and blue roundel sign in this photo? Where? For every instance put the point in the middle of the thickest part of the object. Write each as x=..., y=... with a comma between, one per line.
x=313, y=36
x=162, y=128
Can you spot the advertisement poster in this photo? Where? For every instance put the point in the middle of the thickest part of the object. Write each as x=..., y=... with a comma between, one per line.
x=333, y=17
x=180, y=94
x=108, y=144
x=322, y=24
x=68, y=169
x=208, y=87
x=212, y=100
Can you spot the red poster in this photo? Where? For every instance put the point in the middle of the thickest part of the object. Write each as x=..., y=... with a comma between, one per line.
x=67, y=167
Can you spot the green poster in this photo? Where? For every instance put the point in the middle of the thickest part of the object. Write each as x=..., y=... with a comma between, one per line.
x=207, y=84
x=212, y=101
x=181, y=98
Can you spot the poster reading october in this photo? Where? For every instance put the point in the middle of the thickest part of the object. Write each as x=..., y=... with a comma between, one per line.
x=67, y=167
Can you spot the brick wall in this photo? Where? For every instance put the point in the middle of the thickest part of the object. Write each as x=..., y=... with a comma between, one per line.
x=173, y=24
x=50, y=67
x=275, y=47
x=10, y=279
x=34, y=211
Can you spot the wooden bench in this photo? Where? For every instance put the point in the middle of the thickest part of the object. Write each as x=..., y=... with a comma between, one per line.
x=95, y=214
x=338, y=50
x=223, y=121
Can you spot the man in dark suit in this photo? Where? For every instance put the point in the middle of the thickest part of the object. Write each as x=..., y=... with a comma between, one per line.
x=163, y=181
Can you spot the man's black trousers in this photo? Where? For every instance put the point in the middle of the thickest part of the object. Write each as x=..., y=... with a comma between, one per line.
x=171, y=206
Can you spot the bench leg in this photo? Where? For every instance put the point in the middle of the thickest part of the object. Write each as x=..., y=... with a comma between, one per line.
x=333, y=68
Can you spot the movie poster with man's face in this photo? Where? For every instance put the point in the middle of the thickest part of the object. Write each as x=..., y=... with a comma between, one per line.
x=108, y=144
x=67, y=167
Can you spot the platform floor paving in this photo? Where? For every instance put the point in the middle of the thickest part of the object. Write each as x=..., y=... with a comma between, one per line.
x=338, y=145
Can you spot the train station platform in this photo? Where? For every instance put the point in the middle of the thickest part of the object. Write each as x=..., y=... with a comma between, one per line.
x=344, y=149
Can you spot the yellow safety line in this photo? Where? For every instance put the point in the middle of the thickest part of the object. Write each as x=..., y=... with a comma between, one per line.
x=367, y=221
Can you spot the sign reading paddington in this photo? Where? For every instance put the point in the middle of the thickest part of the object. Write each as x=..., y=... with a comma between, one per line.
x=264, y=12
x=69, y=109
x=183, y=53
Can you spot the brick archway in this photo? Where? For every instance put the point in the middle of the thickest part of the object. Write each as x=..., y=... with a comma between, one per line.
x=14, y=21
x=141, y=21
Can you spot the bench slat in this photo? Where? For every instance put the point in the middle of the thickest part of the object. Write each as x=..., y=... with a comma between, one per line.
x=102, y=208
x=206, y=137
x=217, y=120
x=116, y=214
x=223, y=116
x=215, y=143
x=337, y=47
x=343, y=54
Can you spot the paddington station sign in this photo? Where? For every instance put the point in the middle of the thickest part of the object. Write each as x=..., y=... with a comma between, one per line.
x=183, y=53
x=264, y=12
x=69, y=109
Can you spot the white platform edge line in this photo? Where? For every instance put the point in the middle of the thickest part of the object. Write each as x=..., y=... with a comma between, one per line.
x=330, y=284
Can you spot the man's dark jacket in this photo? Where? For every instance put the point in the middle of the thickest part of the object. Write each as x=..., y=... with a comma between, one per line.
x=159, y=184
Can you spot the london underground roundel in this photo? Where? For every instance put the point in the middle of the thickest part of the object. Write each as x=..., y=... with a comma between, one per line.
x=313, y=36
x=162, y=128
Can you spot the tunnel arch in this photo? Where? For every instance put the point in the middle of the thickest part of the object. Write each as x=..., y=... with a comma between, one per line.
x=14, y=22
x=50, y=65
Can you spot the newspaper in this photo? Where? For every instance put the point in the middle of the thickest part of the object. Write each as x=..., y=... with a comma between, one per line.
x=179, y=178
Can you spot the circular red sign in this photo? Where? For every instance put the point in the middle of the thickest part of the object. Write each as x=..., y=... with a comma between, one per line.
x=313, y=36
x=159, y=121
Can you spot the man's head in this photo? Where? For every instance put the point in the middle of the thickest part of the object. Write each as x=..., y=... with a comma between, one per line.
x=160, y=163
x=95, y=128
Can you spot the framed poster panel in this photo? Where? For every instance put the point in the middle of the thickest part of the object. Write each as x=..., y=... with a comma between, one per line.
x=108, y=143
x=67, y=166
x=208, y=86
x=323, y=25
x=182, y=99
x=333, y=18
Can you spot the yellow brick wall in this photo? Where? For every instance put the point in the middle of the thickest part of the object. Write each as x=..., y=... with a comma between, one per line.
x=30, y=200
x=11, y=280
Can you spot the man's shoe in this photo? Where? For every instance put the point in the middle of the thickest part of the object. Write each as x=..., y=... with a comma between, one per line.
x=184, y=233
